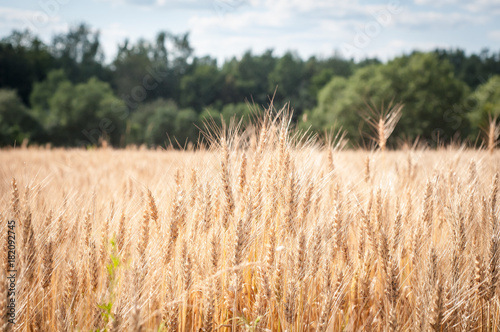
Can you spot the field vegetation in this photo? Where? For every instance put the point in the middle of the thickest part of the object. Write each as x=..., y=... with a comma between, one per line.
x=263, y=229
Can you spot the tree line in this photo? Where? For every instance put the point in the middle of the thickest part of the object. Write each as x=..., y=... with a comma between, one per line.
x=157, y=91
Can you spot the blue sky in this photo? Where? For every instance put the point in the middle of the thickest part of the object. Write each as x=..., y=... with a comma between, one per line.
x=226, y=28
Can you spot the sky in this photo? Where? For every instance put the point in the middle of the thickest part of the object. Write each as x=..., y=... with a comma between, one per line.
x=227, y=28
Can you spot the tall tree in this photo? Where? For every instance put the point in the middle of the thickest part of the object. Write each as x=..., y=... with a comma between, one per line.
x=24, y=59
x=148, y=70
x=247, y=79
x=287, y=76
x=201, y=87
x=80, y=114
x=485, y=103
x=79, y=54
x=16, y=124
x=432, y=96
x=474, y=69
x=42, y=92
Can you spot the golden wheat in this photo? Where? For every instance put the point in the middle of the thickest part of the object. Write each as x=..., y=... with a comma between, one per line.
x=307, y=238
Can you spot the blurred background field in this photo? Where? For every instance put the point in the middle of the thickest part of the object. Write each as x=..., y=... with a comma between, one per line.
x=263, y=231
x=155, y=81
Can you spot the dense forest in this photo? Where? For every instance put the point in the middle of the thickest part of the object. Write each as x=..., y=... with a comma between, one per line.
x=157, y=92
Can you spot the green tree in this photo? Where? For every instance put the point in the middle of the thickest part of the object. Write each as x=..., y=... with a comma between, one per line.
x=240, y=111
x=81, y=114
x=316, y=74
x=143, y=123
x=473, y=69
x=79, y=53
x=131, y=65
x=161, y=122
x=185, y=126
x=24, y=59
x=486, y=103
x=16, y=124
x=287, y=76
x=247, y=79
x=343, y=100
x=201, y=87
x=43, y=91
x=432, y=96
x=147, y=70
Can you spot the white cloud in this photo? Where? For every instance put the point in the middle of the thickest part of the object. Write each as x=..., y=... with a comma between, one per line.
x=432, y=19
x=491, y=7
x=25, y=18
x=436, y=3
x=324, y=17
x=239, y=21
x=189, y=5
x=494, y=35
x=41, y=22
x=224, y=28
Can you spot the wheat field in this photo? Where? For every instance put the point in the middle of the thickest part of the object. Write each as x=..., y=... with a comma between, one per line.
x=266, y=230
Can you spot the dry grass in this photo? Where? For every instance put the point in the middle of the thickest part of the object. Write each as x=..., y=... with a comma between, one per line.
x=263, y=232
x=492, y=133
